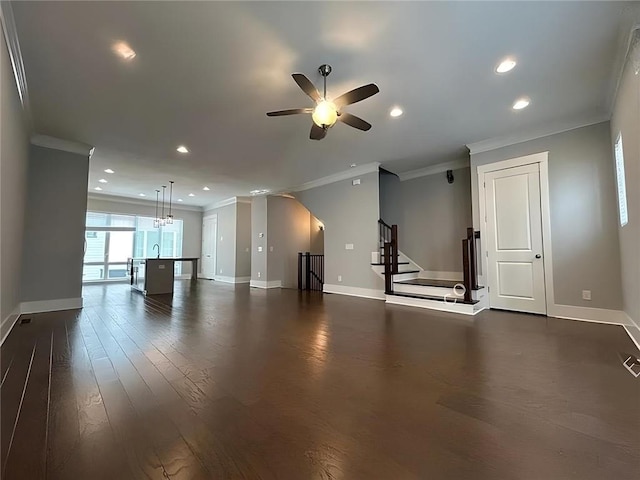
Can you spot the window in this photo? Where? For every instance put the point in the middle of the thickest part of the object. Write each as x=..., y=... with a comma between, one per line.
x=110, y=239
x=622, y=190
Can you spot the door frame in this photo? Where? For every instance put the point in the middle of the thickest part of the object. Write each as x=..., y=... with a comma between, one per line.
x=542, y=159
x=213, y=217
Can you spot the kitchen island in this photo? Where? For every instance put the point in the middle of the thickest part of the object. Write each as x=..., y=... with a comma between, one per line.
x=155, y=276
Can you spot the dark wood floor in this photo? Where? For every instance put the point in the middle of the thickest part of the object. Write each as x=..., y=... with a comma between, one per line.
x=229, y=382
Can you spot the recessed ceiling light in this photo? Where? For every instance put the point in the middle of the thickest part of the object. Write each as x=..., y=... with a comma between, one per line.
x=142, y=194
x=179, y=199
x=97, y=188
x=521, y=103
x=206, y=189
x=182, y=149
x=352, y=165
x=102, y=180
x=123, y=50
x=506, y=65
x=191, y=195
x=396, y=112
x=259, y=192
x=108, y=170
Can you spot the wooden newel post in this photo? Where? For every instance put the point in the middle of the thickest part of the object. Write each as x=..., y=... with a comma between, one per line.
x=466, y=270
x=394, y=252
x=388, y=284
x=473, y=258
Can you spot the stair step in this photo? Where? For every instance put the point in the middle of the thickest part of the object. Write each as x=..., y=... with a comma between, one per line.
x=434, y=297
x=428, y=282
x=382, y=264
x=404, y=271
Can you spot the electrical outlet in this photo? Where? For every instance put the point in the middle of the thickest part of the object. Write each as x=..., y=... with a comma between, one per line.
x=259, y=249
x=220, y=237
x=339, y=278
x=246, y=249
x=271, y=249
x=586, y=294
x=259, y=274
x=221, y=271
x=356, y=182
x=348, y=246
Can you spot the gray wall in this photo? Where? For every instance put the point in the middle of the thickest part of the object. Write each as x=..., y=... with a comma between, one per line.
x=191, y=227
x=584, y=232
x=288, y=226
x=14, y=159
x=258, y=227
x=243, y=240
x=626, y=119
x=390, y=198
x=316, y=235
x=55, y=224
x=432, y=217
x=350, y=215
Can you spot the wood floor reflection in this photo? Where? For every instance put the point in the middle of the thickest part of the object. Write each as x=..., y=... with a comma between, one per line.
x=227, y=382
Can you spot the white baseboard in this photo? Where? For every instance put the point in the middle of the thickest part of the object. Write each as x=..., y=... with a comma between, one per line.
x=51, y=305
x=433, y=275
x=451, y=307
x=634, y=334
x=587, y=314
x=223, y=279
x=265, y=284
x=354, y=291
x=183, y=276
x=8, y=323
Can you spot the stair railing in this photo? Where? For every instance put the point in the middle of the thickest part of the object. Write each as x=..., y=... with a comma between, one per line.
x=470, y=263
x=310, y=271
x=389, y=247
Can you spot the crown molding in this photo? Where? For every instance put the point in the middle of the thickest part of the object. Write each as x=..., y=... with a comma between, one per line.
x=15, y=55
x=433, y=169
x=548, y=129
x=621, y=62
x=336, y=177
x=60, y=144
x=135, y=201
x=228, y=201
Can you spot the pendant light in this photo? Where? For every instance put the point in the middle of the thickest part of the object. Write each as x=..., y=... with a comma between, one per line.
x=156, y=221
x=163, y=220
x=170, y=214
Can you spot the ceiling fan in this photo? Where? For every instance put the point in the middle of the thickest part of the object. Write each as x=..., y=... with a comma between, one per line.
x=327, y=112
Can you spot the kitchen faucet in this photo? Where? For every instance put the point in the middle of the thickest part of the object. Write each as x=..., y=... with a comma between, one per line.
x=156, y=245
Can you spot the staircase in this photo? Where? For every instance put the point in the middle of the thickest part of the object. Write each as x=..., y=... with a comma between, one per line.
x=407, y=284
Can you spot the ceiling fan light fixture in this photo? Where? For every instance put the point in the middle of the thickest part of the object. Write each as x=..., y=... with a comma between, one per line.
x=325, y=114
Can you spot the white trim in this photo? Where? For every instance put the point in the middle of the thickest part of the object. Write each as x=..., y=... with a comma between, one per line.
x=336, y=177
x=11, y=320
x=433, y=275
x=621, y=63
x=542, y=159
x=550, y=128
x=59, y=144
x=433, y=169
x=136, y=201
x=588, y=314
x=634, y=333
x=354, y=291
x=264, y=284
x=183, y=276
x=227, y=201
x=51, y=305
x=15, y=55
x=223, y=279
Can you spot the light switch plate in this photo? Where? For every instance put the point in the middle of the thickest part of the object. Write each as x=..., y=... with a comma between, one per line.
x=356, y=182
x=586, y=294
x=260, y=235
x=348, y=246
x=259, y=249
x=339, y=278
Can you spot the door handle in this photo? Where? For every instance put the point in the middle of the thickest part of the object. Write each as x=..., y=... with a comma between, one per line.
x=538, y=255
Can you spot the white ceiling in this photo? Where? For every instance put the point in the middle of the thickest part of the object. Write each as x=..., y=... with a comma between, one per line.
x=206, y=73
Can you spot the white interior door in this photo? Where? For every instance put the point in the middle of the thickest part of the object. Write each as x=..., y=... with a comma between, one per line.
x=209, y=234
x=514, y=239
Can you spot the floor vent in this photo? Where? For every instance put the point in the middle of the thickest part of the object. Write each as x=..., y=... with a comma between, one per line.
x=24, y=320
x=632, y=364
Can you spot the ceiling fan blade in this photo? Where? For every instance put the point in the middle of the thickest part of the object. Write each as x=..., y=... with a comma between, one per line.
x=317, y=133
x=353, y=121
x=307, y=87
x=292, y=111
x=356, y=95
